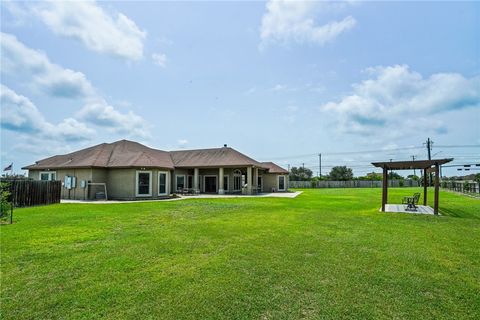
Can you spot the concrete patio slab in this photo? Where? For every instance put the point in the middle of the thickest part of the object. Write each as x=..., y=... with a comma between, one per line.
x=201, y=196
x=402, y=209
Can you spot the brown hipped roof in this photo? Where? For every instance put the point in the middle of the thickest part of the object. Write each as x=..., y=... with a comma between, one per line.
x=273, y=168
x=120, y=154
x=212, y=158
x=128, y=154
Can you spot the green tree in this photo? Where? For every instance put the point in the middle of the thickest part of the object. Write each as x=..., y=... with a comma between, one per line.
x=300, y=174
x=394, y=176
x=341, y=173
x=372, y=176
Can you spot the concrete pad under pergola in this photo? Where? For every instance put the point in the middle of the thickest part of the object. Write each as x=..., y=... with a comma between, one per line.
x=425, y=165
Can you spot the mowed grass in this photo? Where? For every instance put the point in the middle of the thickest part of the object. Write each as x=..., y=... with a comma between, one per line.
x=328, y=253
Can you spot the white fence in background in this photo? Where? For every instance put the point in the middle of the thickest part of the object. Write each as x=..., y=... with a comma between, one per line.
x=351, y=184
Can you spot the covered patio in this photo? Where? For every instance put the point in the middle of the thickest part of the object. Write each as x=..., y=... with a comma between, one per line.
x=427, y=166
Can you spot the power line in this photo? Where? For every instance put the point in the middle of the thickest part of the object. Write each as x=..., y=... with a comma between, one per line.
x=372, y=151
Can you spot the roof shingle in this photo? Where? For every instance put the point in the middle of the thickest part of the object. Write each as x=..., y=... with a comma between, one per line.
x=120, y=154
x=273, y=168
x=212, y=158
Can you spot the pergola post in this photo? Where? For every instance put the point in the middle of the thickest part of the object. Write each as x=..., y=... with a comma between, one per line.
x=437, y=182
x=425, y=183
x=384, y=189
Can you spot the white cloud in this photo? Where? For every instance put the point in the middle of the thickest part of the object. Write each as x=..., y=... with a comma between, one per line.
x=395, y=96
x=250, y=91
x=287, y=21
x=159, y=59
x=279, y=87
x=112, y=33
x=290, y=114
x=17, y=10
x=19, y=60
x=101, y=114
x=182, y=143
x=57, y=81
x=19, y=114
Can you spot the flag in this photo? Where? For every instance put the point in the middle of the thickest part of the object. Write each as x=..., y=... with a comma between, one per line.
x=8, y=168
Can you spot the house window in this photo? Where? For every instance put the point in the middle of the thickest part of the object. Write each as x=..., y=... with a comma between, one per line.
x=48, y=175
x=281, y=183
x=225, y=183
x=237, y=180
x=162, y=183
x=144, y=183
x=180, y=182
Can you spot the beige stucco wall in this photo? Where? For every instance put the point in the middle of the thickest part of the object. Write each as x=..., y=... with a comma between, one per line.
x=121, y=183
x=270, y=180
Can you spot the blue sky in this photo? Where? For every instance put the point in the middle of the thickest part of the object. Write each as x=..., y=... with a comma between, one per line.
x=276, y=80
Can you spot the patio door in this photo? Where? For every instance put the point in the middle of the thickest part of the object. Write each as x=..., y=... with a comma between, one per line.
x=210, y=184
x=260, y=183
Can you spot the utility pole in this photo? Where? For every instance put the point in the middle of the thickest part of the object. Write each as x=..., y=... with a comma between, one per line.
x=414, y=171
x=320, y=165
x=429, y=144
x=303, y=166
x=288, y=168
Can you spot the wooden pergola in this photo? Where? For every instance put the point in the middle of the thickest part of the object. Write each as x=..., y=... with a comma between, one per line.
x=425, y=165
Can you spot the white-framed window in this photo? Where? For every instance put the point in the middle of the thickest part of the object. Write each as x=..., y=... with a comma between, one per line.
x=162, y=183
x=237, y=180
x=281, y=183
x=48, y=175
x=143, y=185
x=179, y=181
x=225, y=183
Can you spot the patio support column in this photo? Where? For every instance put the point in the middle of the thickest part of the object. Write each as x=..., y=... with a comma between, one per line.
x=437, y=182
x=255, y=180
x=195, y=180
x=220, y=181
x=425, y=184
x=384, y=188
x=249, y=180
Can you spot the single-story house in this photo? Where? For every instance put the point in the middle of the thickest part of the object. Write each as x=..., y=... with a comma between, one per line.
x=128, y=170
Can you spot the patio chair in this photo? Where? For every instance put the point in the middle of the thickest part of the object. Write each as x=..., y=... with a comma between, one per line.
x=411, y=202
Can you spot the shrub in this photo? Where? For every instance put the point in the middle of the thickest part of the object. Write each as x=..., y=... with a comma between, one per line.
x=5, y=202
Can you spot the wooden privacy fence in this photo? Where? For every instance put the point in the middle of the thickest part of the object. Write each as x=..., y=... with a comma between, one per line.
x=351, y=184
x=462, y=186
x=26, y=193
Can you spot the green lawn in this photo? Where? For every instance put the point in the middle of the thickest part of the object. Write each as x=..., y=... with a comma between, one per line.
x=328, y=253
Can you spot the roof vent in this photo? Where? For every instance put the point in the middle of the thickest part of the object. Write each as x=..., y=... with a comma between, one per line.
x=225, y=145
